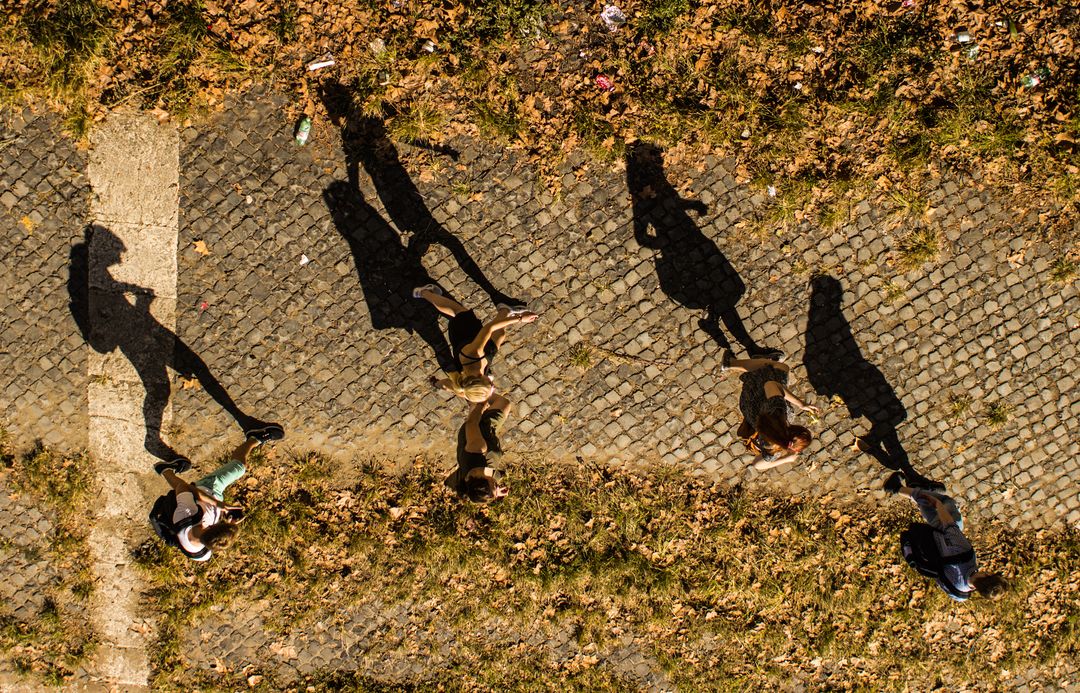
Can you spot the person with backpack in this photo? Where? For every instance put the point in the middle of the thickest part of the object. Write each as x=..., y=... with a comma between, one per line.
x=194, y=518
x=938, y=548
x=478, y=438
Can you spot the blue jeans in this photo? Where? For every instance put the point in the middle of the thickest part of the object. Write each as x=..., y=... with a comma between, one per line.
x=218, y=480
x=929, y=509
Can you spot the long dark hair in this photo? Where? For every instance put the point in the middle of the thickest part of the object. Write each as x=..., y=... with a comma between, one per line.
x=780, y=436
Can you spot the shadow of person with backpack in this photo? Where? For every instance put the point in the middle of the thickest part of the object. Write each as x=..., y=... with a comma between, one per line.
x=109, y=321
x=836, y=366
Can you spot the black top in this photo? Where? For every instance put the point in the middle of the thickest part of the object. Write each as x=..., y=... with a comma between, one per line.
x=462, y=329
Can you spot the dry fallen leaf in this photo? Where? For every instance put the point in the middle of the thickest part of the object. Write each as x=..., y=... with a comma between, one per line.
x=189, y=383
x=201, y=249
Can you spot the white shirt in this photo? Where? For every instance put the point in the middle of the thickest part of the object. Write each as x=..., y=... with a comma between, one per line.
x=187, y=506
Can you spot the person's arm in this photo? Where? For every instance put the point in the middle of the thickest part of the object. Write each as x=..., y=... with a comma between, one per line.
x=803, y=406
x=759, y=363
x=760, y=464
x=475, y=348
x=474, y=438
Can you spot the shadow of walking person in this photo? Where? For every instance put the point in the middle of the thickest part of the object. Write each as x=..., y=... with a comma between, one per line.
x=406, y=209
x=835, y=366
x=109, y=321
x=387, y=271
x=691, y=269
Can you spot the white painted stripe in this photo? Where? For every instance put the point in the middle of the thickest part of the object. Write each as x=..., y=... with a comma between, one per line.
x=134, y=178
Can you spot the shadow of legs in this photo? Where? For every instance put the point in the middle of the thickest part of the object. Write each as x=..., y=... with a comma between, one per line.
x=188, y=363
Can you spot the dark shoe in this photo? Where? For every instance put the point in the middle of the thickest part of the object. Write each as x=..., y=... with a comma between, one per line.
x=179, y=466
x=725, y=360
x=771, y=354
x=922, y=482
x=266, y=434
x=893, y=483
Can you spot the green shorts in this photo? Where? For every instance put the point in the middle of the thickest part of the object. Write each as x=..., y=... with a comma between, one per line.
x=218, y=480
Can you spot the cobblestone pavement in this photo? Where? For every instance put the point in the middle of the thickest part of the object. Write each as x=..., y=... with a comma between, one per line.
x=617, y=367
x=43, y=204
x=295, y=341
x=396, y=643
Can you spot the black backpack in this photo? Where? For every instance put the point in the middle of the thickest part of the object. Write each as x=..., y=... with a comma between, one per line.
x=921, y=552
x=161, y=519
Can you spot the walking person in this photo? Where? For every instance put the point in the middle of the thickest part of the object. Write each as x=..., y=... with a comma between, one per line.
x=193, y=517
x=766, y=405
x=938, y=549
x=473, y=343
x=478, y=439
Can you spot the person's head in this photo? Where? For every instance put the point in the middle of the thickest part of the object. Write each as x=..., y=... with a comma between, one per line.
x=485, y=487
x=219, y=536
x=989, y=585
x=781, y=436
x=474, y=388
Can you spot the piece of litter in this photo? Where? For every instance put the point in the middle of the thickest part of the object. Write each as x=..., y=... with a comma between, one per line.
x=377, y=46
x=962, y=36
x=771, y=190
x=604, y=83
x=429, y=46
x=304, y=259
x=325, y=60
x=798, y=86
x=581, y=54
x=249, y=199
x=745, y=134
x=203, y=305
x=613, y=17
x=818, y=49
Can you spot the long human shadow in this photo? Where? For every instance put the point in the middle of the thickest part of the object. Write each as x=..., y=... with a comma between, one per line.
x=691, y=269
x=109, y=321
x=372, y=148
x=836, y=366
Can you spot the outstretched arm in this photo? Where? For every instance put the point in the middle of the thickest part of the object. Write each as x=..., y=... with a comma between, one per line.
x=793, y=399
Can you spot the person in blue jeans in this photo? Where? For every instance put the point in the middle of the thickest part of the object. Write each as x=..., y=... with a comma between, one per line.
x=218, y=522
x=959, y=576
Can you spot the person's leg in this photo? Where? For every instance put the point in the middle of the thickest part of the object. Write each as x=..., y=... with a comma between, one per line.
x=740, y=366
x=217, y=481
x=445, y=305
x=923, y=499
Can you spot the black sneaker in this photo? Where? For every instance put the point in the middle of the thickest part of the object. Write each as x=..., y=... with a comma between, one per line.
x=179, y=466
x=725, y=360
x=771, y=354
x=893, y=483
x=266, y=434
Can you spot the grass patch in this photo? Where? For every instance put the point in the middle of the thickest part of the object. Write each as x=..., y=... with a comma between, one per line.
x=957, y=407
x=918, y=248
x=893, y=292
x=70, y=36
x=417, y=122
x=997, y=415
x=54, y=642
x=720, y=580
x=580, y=356
x=1064, y=270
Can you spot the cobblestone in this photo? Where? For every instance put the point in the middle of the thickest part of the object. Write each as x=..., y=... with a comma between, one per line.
x=392, y=643
x=298, y=341
x=307, y=345
x=42, y=213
